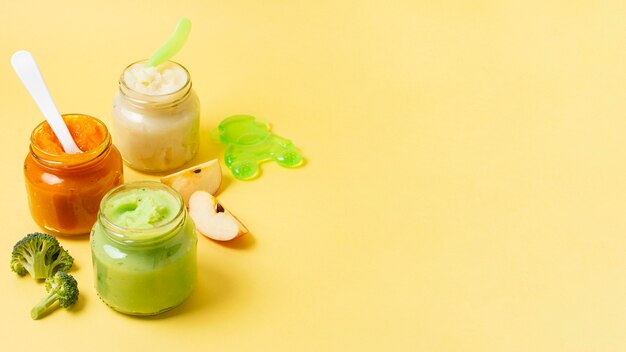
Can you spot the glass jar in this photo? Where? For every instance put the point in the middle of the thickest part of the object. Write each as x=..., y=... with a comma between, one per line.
x=160, y=132
x=144, y=270
x=65, y=190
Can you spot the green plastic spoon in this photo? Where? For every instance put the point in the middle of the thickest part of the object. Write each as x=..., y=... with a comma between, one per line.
x=173, y=45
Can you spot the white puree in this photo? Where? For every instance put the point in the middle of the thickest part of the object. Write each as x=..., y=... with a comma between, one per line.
x=163, y=79
x=157, y=129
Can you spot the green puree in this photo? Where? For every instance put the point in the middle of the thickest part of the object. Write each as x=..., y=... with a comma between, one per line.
x=156, y=270
x=141, y=208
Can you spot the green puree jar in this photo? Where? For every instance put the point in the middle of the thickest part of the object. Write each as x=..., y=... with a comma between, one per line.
x=143, y=249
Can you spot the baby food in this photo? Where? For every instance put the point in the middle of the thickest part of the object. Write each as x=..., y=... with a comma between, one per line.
x=87, y=133
x=162, y=80
x=144, y=249
x=156, y=117
x=65, y=190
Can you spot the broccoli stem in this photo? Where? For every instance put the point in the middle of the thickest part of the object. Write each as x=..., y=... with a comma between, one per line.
x=40, y=269
x=43, y=305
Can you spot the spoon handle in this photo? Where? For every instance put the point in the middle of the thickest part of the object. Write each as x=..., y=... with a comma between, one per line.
x=27, y=70
x=173, y=44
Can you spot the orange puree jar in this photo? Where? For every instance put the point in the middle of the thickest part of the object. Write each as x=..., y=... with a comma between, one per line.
x=65, y=190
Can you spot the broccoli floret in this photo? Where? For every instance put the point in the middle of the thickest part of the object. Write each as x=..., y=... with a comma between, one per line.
x=61, y=287
x=40, y=255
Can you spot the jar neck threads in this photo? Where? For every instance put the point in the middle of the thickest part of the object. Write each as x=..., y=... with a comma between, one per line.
x=70, y=161
x=142, y=100
x=142, y=237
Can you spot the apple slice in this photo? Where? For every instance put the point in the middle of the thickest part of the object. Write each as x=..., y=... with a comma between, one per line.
x=212, y=220
x=203, y=177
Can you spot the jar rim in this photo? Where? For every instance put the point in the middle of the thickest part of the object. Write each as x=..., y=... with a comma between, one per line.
x=155, y=99
x=162, y=232
x=70, y=160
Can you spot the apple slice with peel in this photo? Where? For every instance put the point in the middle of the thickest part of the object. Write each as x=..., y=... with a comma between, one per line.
x=203, y=177
x=212, y=220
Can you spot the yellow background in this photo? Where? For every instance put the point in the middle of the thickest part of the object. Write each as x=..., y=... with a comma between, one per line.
x=465, y=186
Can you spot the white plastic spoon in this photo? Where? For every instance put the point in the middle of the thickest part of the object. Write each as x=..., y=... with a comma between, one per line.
x=27, y=70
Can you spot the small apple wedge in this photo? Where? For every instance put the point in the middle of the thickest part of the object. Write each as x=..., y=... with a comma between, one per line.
x=212, y=220
x=203, y=177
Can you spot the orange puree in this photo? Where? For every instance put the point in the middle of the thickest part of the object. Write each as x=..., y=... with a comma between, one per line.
x=87, y=133
x=65, y=190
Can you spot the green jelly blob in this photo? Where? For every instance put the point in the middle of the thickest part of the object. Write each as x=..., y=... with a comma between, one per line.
x=249, y=142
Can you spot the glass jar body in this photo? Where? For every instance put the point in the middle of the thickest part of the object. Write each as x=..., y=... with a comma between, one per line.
x=64, y=194
x=140, y=278
x=156, y=133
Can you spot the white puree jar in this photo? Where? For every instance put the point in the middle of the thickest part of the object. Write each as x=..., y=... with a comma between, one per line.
x=156, y=118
